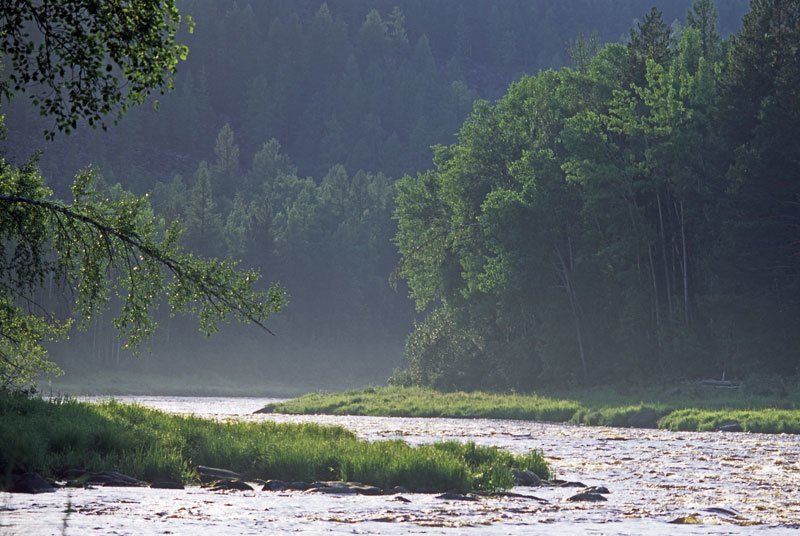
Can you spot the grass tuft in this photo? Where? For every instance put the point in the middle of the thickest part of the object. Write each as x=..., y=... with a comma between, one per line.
x=44, y=436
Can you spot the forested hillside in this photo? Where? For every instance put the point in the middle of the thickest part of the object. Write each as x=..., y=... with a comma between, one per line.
x=291, y=121
x=633, y=217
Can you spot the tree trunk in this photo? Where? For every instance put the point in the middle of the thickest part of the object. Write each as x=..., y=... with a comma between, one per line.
x=569, y=288
x=667, y=278
x=685, y=265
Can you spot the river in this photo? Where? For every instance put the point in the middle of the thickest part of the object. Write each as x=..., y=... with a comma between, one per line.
x=729, y=483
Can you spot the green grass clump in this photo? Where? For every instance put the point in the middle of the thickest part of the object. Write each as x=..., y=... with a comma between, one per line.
x=421, y=402
x=684, y=407
x=42, y=436
x=765, y=420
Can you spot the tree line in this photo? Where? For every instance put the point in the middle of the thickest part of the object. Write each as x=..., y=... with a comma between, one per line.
x=634, y=216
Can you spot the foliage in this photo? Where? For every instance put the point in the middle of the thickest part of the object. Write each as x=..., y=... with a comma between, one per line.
x=104, y=243
x=99, y=247
x=634, y=215
x=87, y=60
x=36, y=435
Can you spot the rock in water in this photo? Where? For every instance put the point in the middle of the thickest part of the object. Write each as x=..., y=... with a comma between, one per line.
x=456, y=497
x=588, y=497
x=166, y=484
x=210, y=474
x=597, y=489
x=230, y=484
x=526, y=478
x=113, y=479
x=343, y=488
x=686, y=520
x=644, y=418
x=30, y=483
x=731, y=427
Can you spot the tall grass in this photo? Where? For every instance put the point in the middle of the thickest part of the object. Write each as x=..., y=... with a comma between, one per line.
x=687, y=407
x=42, y=436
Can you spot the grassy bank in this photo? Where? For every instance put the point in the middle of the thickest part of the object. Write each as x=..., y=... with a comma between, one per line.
x=686, y=407
x=43, y=436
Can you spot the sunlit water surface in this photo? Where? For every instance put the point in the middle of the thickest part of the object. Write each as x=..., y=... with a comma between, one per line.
x=654, y=477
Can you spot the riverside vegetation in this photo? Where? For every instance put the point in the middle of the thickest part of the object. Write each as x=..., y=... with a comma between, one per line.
x=687, y=408
x=50, y=437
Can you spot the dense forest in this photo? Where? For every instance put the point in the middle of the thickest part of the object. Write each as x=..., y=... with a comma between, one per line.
x=629, y=210
x=633, y=216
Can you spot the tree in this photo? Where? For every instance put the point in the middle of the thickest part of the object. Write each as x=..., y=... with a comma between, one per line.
x=203, y=222
x=703, y=17
x=99, y=243
x=89, y=60
x=651, y=39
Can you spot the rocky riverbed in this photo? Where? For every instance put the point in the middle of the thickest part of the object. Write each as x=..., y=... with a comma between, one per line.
x=658, y=482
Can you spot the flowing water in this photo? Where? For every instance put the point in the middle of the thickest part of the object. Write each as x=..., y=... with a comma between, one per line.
x=728, y=483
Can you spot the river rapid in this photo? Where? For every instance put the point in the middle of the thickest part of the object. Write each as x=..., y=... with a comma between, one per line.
x=726, y=482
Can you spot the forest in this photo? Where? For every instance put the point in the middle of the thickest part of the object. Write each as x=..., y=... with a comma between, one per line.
x=626, y=208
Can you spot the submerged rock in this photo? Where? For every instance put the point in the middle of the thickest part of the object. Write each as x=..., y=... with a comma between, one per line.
x=686, y=520
x=343, y=488
x=723, y=511
x=563, y=483
x=456, y=497
x=731, y=427
x=30, y=483
x=210, y=474
x=644, y=418
x=526, y=478
x=227, y=484
x=280, y=485
x=112, y=479
x=597, y=489
x=587, y=496
x=166, y=484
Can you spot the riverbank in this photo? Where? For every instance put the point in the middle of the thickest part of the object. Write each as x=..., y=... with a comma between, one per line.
x=61, y=436
x=186, y=383
x=686, y=407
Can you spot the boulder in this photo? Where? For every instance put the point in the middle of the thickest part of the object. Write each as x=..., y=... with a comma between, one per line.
x=397, y=490
x=211, y=474
x=227, y=484
x=526, y=478
x=731, y=427
x=564, y=483
x=597, y=489
x=30, y=483
x=281, y=485
x=587, y=496
x=644, y=418
x=112, y=479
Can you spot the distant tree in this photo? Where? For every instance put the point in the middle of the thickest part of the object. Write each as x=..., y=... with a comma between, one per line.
x=203, y=221
x=651, y=39
x=226, y=165
x=703, y=17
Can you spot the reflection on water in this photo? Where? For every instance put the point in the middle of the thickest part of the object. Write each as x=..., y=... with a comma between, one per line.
x=732, y=483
